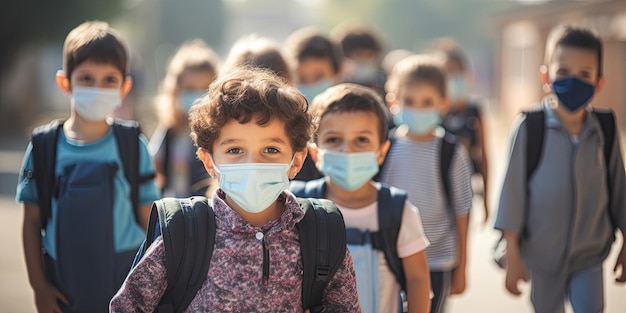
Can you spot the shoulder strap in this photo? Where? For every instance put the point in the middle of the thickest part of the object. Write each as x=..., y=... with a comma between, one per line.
x=127, y=138
x=308, y=189
x=391, y=202
x=607, y=124
x=535, y=128
x=188, y=230
x=167, y=141
x=44, y=140
x=323, y=248
x=448, y=147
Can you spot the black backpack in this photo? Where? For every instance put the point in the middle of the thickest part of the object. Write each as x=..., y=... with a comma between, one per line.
x=188, y=229
x=535, y=133
x=391, y=202
x=447, y=150
x=44, y=141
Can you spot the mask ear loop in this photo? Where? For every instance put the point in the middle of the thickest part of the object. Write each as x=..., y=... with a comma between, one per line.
x=217, y=170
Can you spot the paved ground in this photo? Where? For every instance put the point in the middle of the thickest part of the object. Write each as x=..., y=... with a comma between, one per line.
x=485, y=293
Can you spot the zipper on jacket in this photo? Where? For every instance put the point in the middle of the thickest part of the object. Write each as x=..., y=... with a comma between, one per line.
x=266, y=262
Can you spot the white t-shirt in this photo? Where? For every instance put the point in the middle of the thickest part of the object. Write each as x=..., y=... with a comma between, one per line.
x=411, y=240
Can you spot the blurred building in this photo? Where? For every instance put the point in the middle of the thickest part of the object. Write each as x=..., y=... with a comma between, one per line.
x=522, y=38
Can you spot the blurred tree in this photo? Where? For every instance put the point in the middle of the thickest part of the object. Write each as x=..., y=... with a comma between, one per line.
x=25, y=22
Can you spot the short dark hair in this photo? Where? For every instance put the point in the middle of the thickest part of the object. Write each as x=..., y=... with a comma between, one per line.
x=310, y=43
x=358, y=36
x=575, y=37
x=349, y=98
x=258, y=52
x=417, y=69
x=452, y=52
x=244, y=94
x=97, y=42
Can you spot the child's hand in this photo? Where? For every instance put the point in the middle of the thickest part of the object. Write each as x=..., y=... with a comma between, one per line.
x=458, y=281
x=620, y=264
x=515, y=271
x=46, y=299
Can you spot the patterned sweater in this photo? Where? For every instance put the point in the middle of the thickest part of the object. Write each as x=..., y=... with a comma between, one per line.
x=235, y=281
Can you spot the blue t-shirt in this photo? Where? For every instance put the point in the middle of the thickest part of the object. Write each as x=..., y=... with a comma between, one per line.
x=127, y=234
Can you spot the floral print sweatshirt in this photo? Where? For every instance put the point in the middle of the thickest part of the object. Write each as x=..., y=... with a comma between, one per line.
x=236, y=281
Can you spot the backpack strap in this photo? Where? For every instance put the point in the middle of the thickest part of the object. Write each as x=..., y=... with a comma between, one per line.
x=323, y=248
x=308, y=189
x=167, y=141
x=448, y=148
x=535, y=128
x=607, y=125
x=127, y=138
x=44, y=140
x=188, y=229
x=391, y=203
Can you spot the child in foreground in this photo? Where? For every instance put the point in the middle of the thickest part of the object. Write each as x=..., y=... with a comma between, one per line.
x=251, y=132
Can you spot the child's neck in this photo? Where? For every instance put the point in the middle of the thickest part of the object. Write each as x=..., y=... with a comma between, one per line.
x=359, y=198
x=573, y=122
x=78, y=128
x=274, y=212
x=421, y=137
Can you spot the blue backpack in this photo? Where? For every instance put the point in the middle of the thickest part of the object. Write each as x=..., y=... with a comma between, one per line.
x=391, y=202
x=88, y=271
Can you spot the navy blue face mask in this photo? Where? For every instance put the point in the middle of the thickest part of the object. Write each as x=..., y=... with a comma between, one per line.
x=572, y=92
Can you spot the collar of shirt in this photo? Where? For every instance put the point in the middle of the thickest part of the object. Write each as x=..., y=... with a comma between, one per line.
x=592, y=125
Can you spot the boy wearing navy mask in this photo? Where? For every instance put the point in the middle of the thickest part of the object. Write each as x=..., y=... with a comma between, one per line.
x=577, y=184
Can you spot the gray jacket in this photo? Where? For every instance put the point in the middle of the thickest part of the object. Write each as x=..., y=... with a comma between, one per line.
x=568, y=224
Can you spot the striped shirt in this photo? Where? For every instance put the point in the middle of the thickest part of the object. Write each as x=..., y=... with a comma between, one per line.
x=415, y=167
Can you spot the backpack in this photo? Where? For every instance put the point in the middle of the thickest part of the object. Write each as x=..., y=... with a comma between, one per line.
x=391, y=202
x=535, y=131
x=188, y=229
x=44, y=140
x=447, y=150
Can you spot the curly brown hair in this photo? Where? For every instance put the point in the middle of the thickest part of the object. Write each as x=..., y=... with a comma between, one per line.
x=247, y=93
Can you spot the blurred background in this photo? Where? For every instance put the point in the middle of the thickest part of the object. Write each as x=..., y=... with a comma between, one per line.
x=505, y=41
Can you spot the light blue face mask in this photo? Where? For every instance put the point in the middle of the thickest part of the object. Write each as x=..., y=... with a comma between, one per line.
x=456, y=88
x=253, y=186
x=419, y=121
x=311, y=90
x=187, y=98
x=350, y=171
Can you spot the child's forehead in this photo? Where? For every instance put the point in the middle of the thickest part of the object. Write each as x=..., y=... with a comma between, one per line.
x=571, y=55
x=338, y=120
x=92, y=66
x=416, y=88
x=253, y=131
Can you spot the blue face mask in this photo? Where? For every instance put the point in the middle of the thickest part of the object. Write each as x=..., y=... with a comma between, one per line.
x=350, y=171
x=456, y=88
x=253, y=186
x=311, y=90
x=572, y=92
x=187, y=98
x=419, y=121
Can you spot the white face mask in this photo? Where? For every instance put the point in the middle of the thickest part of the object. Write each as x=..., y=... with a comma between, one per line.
x=253, y=186
x=95, y=104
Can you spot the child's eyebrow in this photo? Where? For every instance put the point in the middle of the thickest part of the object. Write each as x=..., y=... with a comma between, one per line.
x=228, y=141
x=276, y=140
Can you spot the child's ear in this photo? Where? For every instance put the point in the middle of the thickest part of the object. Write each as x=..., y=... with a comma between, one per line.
x=126, y=86
x=382, y=153
x=312, y=148
x=203, y=155
x=599, y=85
x=545, y=78
x=391, y=99
x=445, y=106
x=63, y=82
x=298, y=161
